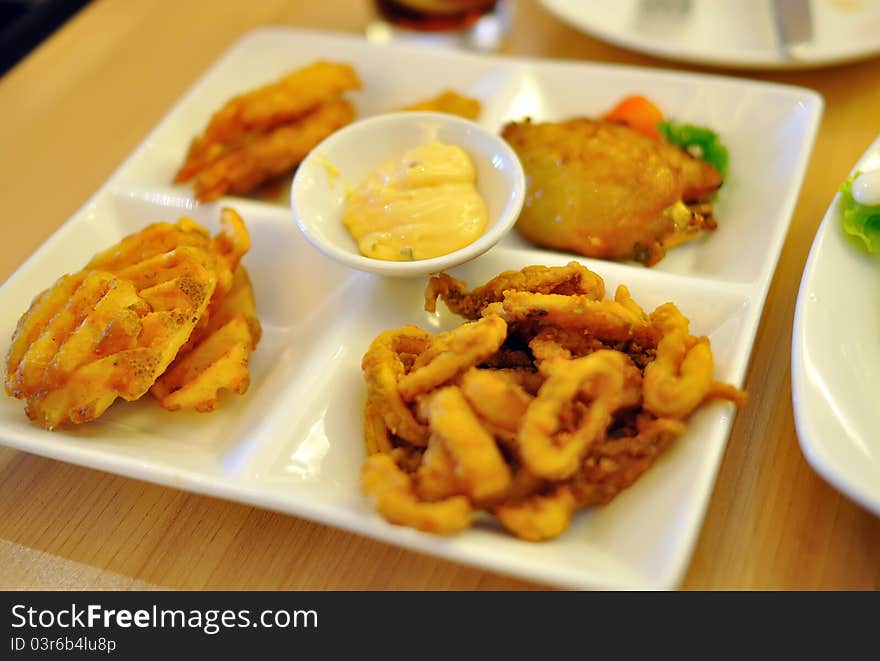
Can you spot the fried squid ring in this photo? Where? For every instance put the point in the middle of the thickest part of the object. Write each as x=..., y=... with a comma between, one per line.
x=554, y=343
x=569, y=279
x=393, y=495
x=376, y=437
x=495, y=399
x=609, y=321
x=383, y=368
x=539, y=517
x=721, y=390
x=623, y=297
x=680, y=377
x=435, y=477
x=479, y=465
x=545, y=448
x=451, y=353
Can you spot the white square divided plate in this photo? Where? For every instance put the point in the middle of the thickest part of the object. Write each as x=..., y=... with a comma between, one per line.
x=294, y=442
x=835, y=357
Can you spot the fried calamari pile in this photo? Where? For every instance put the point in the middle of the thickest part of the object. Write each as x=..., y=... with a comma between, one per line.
x=169, y=310
x=550, y=399
x=265, y=133
x=603, y=189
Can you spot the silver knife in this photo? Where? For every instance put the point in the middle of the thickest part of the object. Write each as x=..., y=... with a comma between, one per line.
x=793, y=20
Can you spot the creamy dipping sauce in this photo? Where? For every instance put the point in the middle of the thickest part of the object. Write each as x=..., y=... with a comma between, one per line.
x=423, y=205
x=866, y=188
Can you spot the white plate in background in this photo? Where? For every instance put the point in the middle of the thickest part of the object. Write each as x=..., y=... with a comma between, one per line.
x=294, y=442
x=835, y=358
x=729, y=33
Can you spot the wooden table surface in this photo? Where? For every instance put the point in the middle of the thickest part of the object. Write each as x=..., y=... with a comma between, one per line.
x=81, y=102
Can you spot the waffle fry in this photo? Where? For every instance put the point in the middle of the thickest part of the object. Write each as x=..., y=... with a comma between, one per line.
x=218, y=358
x=111, y=330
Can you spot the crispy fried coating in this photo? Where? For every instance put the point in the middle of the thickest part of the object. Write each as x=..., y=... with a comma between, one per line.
x=615, y=464
x=155, y=239
x=111, y=330
x=495, y=398
x=451, y=353
x=218, y=362
x=217, y=359
x=436, y=477
x=222, y=252
x=680, y=378
x=539, y=517
x=383, y=369
x=557, y=342
x=377, y=438
x=394, y=496
x=572, y=278
x=479, y=464
x=545, y=446
x=604, y=190
x=529, y=379
x=450, y=102
x=606, y=320
x=245, y=166
x=295, y=95
x=112, y=339
x=556, y=399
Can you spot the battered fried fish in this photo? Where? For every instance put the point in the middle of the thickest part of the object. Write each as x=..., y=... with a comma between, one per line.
x=244, y=167
x=296, y=94
x=604, y=190
x=264, y=133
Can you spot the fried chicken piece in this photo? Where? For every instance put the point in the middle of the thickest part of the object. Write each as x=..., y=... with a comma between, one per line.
x=295, y=95
x=450, y=102
x=604, y=190
x=264, y=156
x=569, y=279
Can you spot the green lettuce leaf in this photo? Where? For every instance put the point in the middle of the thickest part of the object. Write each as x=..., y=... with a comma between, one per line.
x=700, y=141
x=860, y=220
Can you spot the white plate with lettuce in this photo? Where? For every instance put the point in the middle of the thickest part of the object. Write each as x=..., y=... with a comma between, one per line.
x=836, y=344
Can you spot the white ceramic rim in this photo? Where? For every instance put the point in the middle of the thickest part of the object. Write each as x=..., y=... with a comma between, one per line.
x=493, y=234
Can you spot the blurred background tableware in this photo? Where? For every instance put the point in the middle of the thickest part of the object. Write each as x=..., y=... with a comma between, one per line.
x=471, y=24
x=742, y=34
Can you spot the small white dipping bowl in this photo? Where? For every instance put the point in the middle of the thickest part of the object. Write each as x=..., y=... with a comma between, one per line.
x=348, y=156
